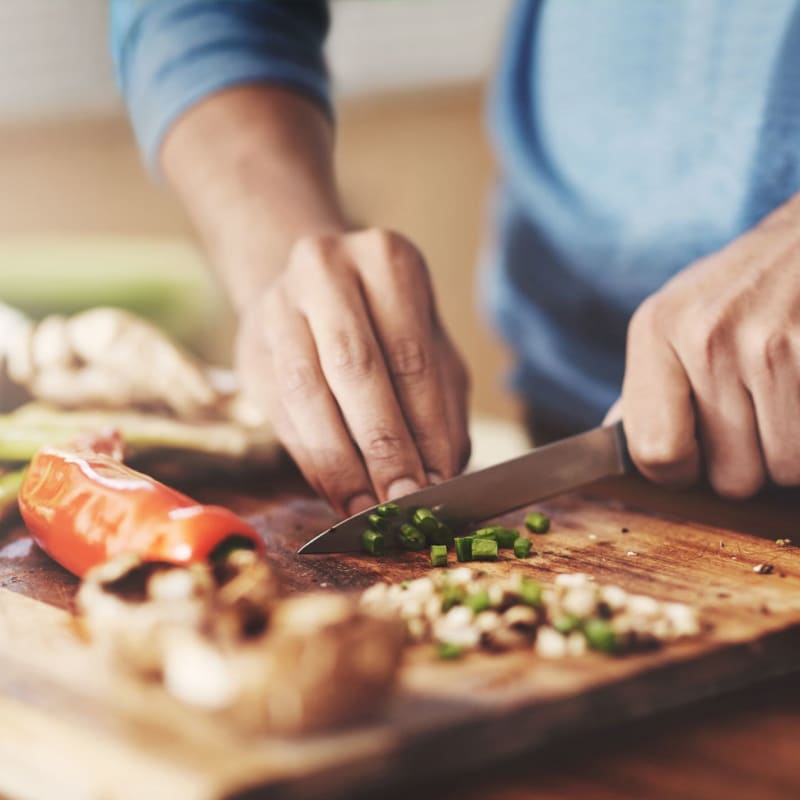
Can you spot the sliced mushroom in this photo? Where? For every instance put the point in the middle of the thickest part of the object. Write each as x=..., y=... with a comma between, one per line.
x=221, y=640
x=127, y=606
x=325, y=663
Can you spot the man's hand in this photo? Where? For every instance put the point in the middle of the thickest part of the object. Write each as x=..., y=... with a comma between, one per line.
x=363, y=386
x=339, y=338
x=712, y=374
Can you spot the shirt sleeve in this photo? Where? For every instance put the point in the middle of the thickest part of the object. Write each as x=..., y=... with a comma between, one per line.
x=169, y=54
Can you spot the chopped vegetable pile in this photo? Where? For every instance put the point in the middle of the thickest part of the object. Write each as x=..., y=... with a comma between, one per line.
x=461, y=610
x=422, y=528
x=220, y=637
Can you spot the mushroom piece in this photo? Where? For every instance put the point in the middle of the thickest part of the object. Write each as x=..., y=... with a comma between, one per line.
x=221, y=639
x=324, y=663
x=109, y=358
x=248, y=589
x=127, y=606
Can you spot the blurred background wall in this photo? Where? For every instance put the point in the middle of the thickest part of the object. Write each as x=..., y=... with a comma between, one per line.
x=410, y=76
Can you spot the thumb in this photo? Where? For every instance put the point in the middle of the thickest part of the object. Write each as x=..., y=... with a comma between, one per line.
x=614, y=414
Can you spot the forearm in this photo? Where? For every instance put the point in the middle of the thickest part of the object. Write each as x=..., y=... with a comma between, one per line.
x=253, y=166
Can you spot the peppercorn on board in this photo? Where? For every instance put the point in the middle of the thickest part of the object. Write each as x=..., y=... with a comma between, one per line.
x=114, y=737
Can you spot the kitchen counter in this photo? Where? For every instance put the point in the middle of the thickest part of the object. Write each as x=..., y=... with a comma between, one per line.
x=738, y=745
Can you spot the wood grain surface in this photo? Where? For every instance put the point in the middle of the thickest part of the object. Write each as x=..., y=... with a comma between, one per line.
x=112, y=738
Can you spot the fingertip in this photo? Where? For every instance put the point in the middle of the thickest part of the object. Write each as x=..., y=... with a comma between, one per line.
x=736, y=481
x=401, y=487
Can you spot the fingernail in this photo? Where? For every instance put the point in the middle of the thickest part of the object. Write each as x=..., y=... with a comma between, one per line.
x=434, y=478
x=401, y=487
x=360, y=502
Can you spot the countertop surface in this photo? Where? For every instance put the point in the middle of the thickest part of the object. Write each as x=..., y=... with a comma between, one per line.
x=738, y=745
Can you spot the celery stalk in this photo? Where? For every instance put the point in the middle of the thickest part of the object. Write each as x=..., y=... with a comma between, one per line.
x=34, y=426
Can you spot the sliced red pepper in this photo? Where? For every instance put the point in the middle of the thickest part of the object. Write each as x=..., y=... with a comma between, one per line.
x=83, y=506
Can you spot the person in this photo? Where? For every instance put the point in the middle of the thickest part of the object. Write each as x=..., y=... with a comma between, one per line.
x=646, y=246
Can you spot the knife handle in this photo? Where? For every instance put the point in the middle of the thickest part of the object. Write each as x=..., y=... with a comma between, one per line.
x=622, y=448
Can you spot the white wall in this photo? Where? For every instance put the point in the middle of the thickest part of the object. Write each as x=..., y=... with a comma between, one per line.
x=54, y=57
x=403, y=44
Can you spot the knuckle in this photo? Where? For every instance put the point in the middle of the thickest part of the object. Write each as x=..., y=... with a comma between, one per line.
x=394, y=251
x=331, y=465
x=327, y=473
x=383, y=446
x=352, y=355
x=767, y=353
x=298, y=377
x=400, y=250
x=409, y=358
x=313, y=249
x=707, y=344
x=650, y=317
x=436, y=449
x=776, y=349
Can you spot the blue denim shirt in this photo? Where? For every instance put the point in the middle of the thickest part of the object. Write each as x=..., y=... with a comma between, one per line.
x=634, y=136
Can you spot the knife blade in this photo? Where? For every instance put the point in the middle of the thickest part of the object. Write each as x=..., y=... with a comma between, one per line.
x=477, y=496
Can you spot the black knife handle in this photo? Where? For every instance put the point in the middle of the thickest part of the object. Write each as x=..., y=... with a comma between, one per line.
x=624, y=453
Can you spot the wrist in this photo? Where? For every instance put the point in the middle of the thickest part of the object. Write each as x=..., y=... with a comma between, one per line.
x=250, y=255
x=254, y=169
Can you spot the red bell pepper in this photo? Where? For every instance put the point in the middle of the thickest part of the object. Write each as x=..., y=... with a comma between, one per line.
x=83, y=506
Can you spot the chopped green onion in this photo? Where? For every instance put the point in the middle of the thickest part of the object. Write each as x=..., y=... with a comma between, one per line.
x=484, y=550
x=506, y=538
x=536, y=522
x=566, y=623
x=438, y=555
x=478, y=601
x=436, y=531
x=449, y=652
x=530, y=592
x=600, y=635
x=425, y=520
x=372, y=542
x=442, y=535
x=463, y=548
x=405, y=584
x=378, y=523
x=453, y=596
x=411, y=538
x=387, y=510
x=503, y=536
x=522, y=547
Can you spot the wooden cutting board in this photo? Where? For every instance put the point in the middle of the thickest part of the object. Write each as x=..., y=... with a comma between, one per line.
x=66, y=730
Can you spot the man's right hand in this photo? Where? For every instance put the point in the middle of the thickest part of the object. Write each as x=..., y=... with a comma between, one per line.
x=347, y=352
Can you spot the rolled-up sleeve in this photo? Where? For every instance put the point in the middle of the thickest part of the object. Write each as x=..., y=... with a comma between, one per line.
x=169, y=54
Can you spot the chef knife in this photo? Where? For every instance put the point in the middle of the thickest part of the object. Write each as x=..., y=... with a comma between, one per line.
x=477, y=496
